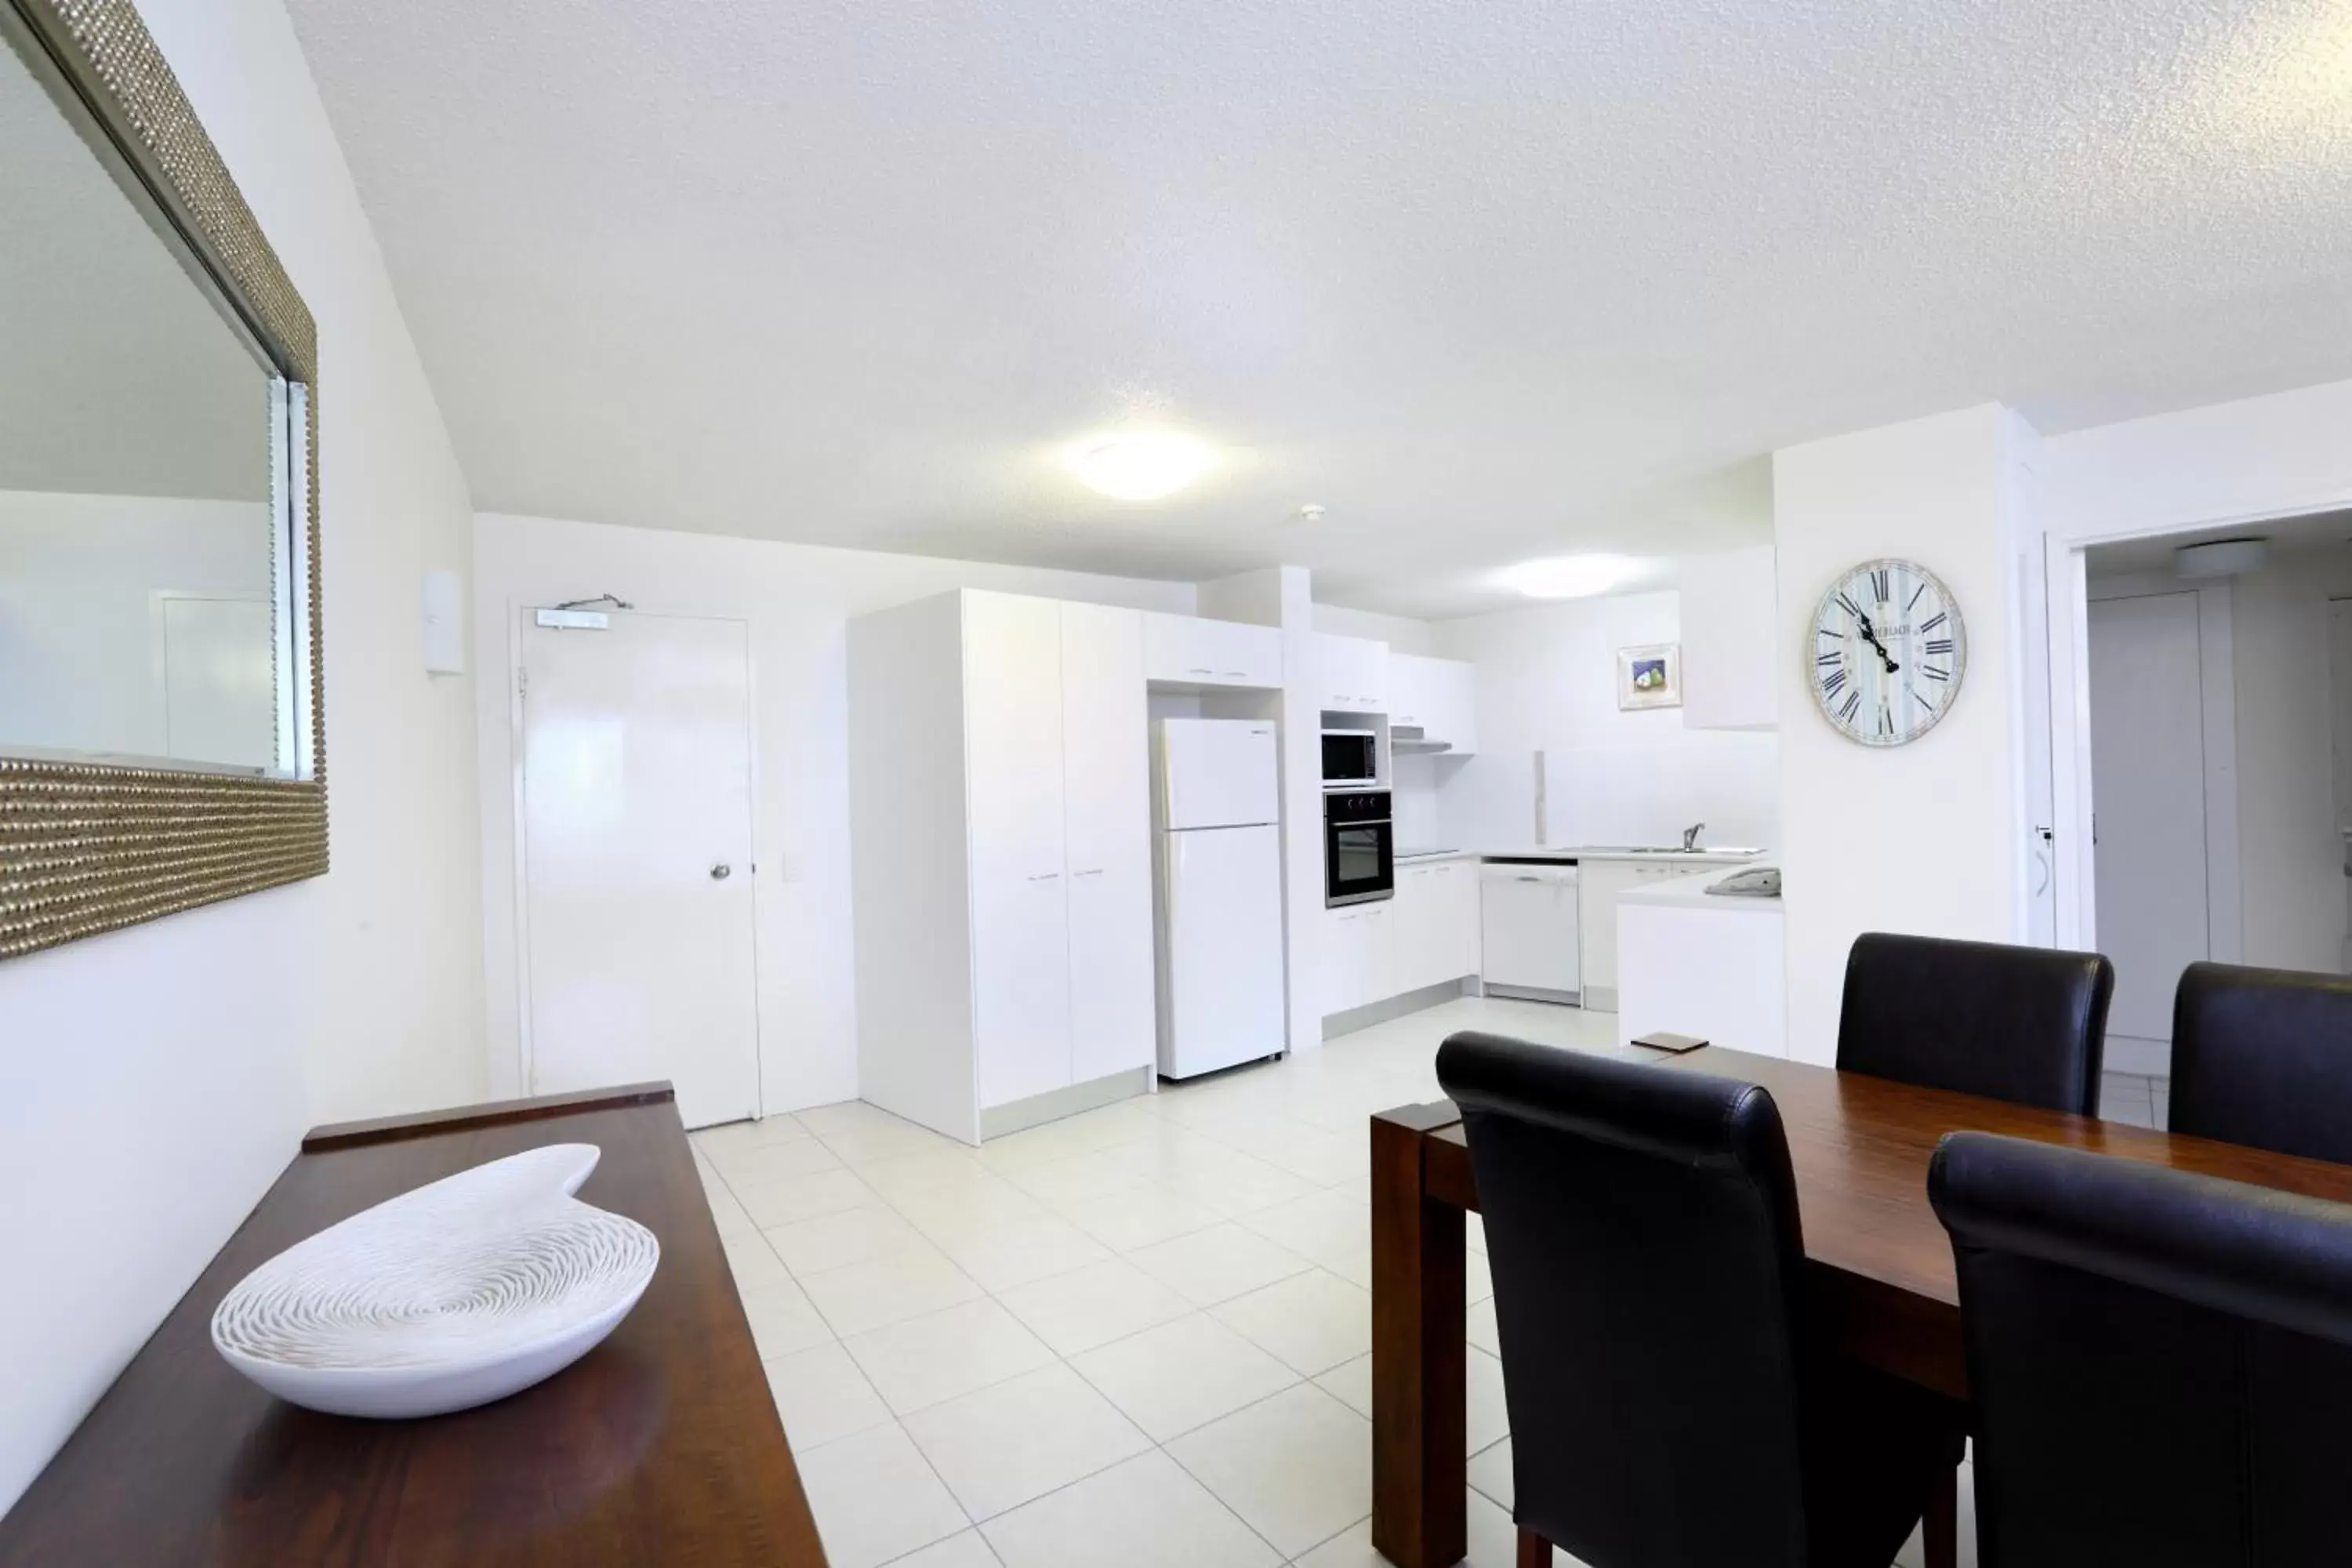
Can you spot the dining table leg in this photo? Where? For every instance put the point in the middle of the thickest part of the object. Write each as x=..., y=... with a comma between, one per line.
x=1420, y=1462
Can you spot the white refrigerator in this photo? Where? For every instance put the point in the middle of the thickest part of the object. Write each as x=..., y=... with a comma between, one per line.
x=1216, y=873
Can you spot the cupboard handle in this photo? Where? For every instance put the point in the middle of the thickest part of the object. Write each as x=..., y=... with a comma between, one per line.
x=1233, y=674
x=1198, y=670
x=1095, y=872
x=1046, y=877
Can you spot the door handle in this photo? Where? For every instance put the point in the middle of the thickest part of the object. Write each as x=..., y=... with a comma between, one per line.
x=1046, y=877
x=1095, y=872
x=721, y=871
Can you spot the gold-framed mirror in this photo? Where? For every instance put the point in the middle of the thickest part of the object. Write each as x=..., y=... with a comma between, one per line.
x=162, y=730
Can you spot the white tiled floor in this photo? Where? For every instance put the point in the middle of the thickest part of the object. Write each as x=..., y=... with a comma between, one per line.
x=1136, y=1337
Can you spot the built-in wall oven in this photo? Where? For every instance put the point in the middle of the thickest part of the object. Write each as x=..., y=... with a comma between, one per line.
x=1359, y=851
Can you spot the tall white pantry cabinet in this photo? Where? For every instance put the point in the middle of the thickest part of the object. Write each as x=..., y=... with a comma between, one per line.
x=1001, y=856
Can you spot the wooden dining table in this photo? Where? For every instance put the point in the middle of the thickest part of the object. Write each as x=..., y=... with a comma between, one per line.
x=1879, y=1282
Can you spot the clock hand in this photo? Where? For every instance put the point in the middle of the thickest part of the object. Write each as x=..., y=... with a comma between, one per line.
x=1871, y=637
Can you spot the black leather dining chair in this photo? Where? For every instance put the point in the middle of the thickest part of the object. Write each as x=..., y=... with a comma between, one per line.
x=1665, y=1410
x=2160, y=1364
x=2264, y=1056
x=2021, y=1024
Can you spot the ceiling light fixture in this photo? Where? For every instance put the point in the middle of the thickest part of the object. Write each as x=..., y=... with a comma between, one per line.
x=1140, y=465
x=1567, y=576
x=2220, y=558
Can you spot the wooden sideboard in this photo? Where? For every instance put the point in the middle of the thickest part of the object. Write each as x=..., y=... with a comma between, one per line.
x=662, y=1444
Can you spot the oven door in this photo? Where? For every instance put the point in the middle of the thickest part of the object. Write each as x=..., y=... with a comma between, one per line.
x=1358, y=862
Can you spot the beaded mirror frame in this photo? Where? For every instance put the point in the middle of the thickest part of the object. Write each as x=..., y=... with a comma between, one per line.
x=86, y=848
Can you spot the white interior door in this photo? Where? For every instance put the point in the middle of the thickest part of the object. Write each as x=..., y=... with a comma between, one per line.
x=220, y=693
x=637, y=806
x=1019, y=902
x=1105, y=769
x=2148, y=770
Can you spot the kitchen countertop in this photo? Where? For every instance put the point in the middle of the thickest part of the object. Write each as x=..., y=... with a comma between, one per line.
x=1690, y=893
x=1700, y=856
x=1569, y=853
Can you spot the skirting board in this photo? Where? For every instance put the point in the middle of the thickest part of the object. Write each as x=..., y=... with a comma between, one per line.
x=1052, y=1106
x=1388, y=1007
x=1564, y=998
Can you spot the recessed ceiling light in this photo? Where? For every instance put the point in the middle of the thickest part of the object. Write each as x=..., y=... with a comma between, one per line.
x=1567, y=576
x=1140, y=465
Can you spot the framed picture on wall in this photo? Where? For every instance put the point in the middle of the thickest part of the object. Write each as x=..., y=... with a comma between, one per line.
x=1650, y=676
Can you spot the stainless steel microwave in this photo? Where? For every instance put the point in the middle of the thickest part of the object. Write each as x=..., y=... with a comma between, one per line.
x=1351, y=759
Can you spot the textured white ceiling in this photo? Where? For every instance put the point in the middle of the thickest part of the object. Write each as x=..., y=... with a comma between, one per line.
x=1485, y=278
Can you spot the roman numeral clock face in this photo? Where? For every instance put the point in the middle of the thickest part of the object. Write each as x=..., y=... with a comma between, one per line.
x=1889, y=652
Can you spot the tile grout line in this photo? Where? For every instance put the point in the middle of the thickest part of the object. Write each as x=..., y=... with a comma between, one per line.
x=1243, y=1220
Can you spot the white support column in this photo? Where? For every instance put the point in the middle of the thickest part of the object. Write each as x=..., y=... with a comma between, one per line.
x=1927, y=838
x=1283, y=596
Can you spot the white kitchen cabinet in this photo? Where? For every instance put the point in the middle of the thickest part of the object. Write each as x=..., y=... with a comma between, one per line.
x=1105, y=769
x=1351, y=674
x=1001, y=855
x=1020, y=937
x=1603, y=881
x=1436, y=696
x=1436, y=925
x=1186, y=650
x=1461, y=927
x=1731, y=674
x=1378, y=952
x=1358, y=955
x=1426, y=935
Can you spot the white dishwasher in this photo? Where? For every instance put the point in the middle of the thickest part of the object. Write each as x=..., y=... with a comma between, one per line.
x=1526, y=915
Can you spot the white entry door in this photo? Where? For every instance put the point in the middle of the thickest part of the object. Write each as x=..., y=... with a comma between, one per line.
x=2148, y=779
x=636, y=830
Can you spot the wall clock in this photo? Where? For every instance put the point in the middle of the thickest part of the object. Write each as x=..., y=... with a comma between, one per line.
x=1887, y=653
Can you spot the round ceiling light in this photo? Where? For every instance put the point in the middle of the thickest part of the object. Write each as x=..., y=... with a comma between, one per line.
x=1567, y=576
x=1140, y=465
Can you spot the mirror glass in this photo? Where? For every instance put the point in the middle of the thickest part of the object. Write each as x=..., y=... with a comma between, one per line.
x=145, y=602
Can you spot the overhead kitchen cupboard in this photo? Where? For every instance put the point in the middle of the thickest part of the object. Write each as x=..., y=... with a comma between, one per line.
x=1351, y=674
x=1189, y=650
x=1731, y=675
x=1001, y=859
x=1433, y=701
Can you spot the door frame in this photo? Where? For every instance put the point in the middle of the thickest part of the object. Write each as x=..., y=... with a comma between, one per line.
x=517, y=608
x=2068, y=599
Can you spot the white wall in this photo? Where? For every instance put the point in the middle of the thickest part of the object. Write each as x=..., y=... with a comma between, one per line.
x=1546, y=681
x=798, y=600
x=153, y=1082
x=2255, y=458
x=1926, y=837
x=1284, y=597
x=1402, y=633
x=77, y=629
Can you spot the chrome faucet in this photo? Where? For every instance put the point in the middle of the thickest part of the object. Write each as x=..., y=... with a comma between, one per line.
x=1690, y=837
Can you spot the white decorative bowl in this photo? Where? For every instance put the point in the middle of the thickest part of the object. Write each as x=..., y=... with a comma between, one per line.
x=445, y=1297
